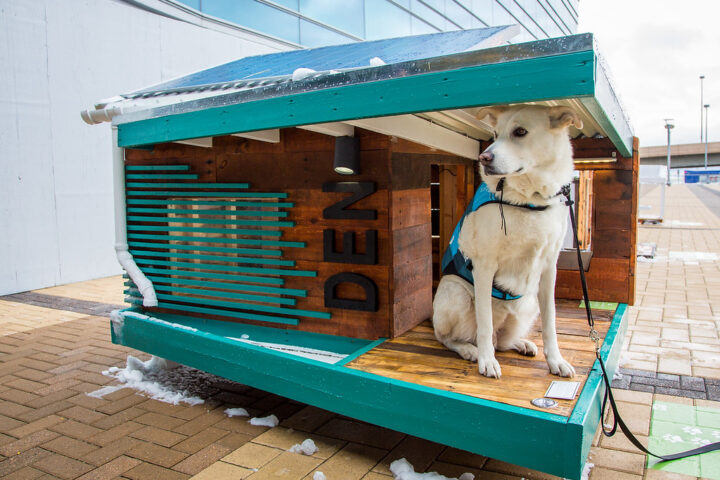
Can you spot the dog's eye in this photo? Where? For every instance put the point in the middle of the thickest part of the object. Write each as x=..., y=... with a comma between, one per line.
x=495, y=135
x=519, y=132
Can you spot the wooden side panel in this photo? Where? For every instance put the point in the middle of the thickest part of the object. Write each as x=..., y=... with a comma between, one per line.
x=611, y=276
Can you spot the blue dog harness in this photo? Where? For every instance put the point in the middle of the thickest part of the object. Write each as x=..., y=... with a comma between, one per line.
x=454, y=261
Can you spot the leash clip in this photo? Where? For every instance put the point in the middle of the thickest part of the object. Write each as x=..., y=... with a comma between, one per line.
x=595, y=337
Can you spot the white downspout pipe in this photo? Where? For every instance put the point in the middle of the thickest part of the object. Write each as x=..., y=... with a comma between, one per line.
x=121, y=246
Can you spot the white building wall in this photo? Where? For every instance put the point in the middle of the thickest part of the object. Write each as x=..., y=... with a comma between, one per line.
x=57, y=58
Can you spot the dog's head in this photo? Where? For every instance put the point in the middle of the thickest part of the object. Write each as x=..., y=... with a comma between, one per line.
x=527, y=138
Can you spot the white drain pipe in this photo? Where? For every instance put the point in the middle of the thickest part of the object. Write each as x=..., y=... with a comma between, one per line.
x=121, y=247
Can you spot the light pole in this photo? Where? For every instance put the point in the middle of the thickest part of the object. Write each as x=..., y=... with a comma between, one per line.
x=702, y=77
x=707, y=107
x=669, y=127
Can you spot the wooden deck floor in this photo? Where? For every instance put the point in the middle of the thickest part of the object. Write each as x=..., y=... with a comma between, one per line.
x=417, y=357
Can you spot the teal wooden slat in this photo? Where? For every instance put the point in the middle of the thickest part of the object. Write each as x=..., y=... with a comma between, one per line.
x=186, y=185
x=534, y=79
x=215, y=258
x=205, y=248
x=201, y=193
x=161, y=176
x=219, y=294
x=224, y=313
x=218, y=276
x=245, y=306
x=229, y=268
x=225, y=231
x=238, y=241
x=217, y=221
x=243, y=287
x=468, y=423
x=237, y=203
x=150, y=168
x=225, y=213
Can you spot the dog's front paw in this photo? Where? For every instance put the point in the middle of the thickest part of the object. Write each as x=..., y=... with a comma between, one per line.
x=525, y=347
x=489, y=367
x=561, y=367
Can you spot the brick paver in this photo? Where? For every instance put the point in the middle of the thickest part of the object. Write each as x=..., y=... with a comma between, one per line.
x=52, y=355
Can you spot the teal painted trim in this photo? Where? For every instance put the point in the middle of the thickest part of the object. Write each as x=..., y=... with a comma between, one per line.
x=512, y=434
x=361, y=351
x=319, y=341
x=210, y=240
x=224, y=213
x=585, y=417
x=205, y=248
x=228, y=268
x=161, y=176
x=546, y=78
x=223, y=313
x=217, y=276
x=150, y=168
x=226, y=231
x=216, y=293
x=186, y=185
x=202, y=193
x=153, y=201
x=228, y=286
x=210, y=221
x=215, y=258
x=244, y=306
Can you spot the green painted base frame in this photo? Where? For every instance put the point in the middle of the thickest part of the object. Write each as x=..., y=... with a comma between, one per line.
x=534, y=439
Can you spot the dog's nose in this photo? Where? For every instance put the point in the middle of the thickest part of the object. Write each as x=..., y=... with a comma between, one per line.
x=486, y=158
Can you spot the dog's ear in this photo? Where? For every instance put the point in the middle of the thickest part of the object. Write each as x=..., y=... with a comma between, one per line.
x=490, y=115
x=561, y=117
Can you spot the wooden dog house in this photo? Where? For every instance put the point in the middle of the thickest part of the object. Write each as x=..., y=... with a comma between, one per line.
x=271, y=269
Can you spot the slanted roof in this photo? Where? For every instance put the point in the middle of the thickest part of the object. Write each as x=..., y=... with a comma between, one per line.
x=435, y=88
x=335, y=57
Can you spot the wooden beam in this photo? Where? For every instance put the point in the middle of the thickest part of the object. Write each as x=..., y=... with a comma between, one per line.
x=268, y=136
x=422, y=131
x=204, y=142
x=334, y=129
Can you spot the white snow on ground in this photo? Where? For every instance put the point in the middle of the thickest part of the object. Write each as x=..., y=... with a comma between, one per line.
x=269, y=421
x=307, y=447
x=319, y=476
x=236, y=412
x=680, y=223
x=377, y=62
x=693, y=257
x=403, y=470
x=159, y=379
x=301, y=73
x=324, y=356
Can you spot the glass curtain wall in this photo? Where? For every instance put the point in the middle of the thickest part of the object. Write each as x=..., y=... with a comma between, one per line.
x=315, y=23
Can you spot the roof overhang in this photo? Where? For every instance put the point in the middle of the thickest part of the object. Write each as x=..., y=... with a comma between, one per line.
x=443, y=90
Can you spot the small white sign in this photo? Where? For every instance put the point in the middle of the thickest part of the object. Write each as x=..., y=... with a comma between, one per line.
x=562, y=390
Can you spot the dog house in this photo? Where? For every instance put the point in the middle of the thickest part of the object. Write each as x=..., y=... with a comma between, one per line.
x=249, y=256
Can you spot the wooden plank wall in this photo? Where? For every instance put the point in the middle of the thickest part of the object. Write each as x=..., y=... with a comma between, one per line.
x=611, y=276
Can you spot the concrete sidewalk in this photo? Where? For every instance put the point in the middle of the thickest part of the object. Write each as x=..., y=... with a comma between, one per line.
x=55, y=342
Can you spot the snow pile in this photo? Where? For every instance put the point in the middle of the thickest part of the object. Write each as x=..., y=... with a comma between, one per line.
x=269, y=421
x=586, y=471
x=403, y=470
x=140, y=316
x=319, y=476
x=117, y=321
x=160, y=379
x=307, y=447
x=377, y=62
x=236, y=412
x=302, y=73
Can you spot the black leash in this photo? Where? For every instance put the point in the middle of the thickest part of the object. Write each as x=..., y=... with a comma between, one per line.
x=595, y=337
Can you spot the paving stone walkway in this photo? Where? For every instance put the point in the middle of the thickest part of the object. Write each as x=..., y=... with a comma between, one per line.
x=55, y=344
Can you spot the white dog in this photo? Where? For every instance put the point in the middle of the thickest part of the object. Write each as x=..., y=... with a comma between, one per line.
x=509, y=241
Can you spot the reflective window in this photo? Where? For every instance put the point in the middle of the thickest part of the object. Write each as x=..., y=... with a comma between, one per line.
x=385, y=20
x=429, y=15
x=348, y=15
x=192, y=3
x=258, y=16
x=312, y=35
